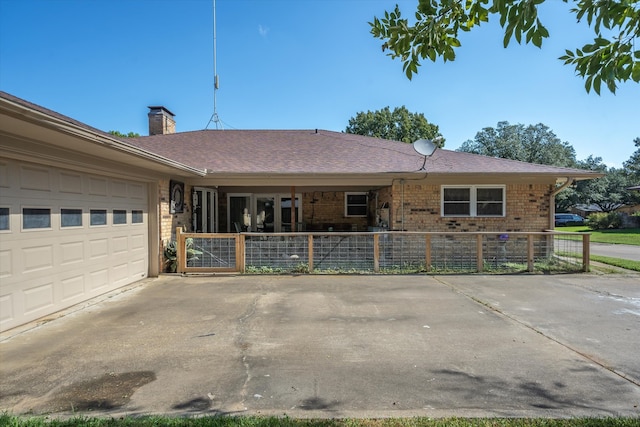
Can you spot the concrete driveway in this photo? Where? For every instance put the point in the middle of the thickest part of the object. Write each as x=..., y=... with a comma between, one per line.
x=337, y=346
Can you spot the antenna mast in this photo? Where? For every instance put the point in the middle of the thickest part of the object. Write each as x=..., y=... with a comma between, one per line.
x=216, y=82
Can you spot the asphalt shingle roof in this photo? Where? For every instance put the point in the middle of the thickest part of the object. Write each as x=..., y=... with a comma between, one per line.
x=318, y=152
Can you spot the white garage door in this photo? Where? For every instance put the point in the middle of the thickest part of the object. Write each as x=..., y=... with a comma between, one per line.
x=65, y=237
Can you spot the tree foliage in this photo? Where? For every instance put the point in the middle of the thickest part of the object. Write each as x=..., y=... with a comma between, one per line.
x=532, y=144
x=609, y=192
x=396, y=125
x=613, y=57
x=122, y=135
x=632, y=165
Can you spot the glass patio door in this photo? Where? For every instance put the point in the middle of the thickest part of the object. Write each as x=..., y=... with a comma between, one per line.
x=265, y=213
x=205, y=210
x=285, y=214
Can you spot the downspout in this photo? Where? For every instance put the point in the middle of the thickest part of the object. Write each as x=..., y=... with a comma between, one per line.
x=552, y=202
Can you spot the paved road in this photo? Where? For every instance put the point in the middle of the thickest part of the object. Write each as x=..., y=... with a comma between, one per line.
x=337, y=346
x=616, y=251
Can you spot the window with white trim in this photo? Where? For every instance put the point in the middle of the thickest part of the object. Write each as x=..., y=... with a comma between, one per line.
x=36, y=218
x=97, y=217
x=5, y=223
x=70, y=217
x=355, y=204
x=473, y=200
x=119, y=216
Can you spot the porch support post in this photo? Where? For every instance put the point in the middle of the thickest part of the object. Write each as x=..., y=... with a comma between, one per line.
x=427, y=252
x=310, y=251
x=530, y=252
x=376, y=253
x=586, y=252
x=293, y=209
x=479, y=260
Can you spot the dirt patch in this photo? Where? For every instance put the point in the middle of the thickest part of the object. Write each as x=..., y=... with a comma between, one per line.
x=110, y=391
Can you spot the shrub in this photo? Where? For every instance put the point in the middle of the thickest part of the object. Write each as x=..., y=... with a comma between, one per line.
x=171, y=254
x=604, y=220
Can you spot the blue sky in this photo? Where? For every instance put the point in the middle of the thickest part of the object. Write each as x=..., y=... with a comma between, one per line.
x=296, y=64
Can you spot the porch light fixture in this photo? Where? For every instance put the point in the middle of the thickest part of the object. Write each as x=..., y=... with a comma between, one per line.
x=426, y=147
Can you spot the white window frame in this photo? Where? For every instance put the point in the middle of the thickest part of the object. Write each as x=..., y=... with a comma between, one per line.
x=113, y=218
x=82, y=218
x=346, y=203
x=35, y=229
x=7, y=230
x=134, y=212
x=473, y=202
x=106, y=212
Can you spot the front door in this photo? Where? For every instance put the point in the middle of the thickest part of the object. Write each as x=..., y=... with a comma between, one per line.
x=205, y=213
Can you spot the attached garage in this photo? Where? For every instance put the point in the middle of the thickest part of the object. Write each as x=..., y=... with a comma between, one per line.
x=79, y=211
x=66, y=237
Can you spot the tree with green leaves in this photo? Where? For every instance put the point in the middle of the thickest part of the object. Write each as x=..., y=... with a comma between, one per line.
x=532, y=144
x=613, y=56
x=396, y=125
x=122, y=135
x=609, y=192
x=632, y=165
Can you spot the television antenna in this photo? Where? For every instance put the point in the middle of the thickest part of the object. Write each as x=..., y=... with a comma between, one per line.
x=216, y=81
x=426, y=147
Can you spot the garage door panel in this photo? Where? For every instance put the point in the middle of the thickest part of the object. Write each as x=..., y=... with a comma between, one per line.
x=6, y=263
x=46, y=270
x=38, y=297
x=120, y=244
x=37, y=258
x=6, y=309
x=73, y=287
x=35, y=178
x=99, y=279
x=70, y=183
x=72, y=252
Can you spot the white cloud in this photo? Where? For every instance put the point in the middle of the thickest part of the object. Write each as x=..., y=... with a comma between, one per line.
x=263, y=30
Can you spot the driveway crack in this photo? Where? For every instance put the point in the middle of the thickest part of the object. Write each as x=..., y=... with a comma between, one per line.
x=495, y=309
x=242, y=343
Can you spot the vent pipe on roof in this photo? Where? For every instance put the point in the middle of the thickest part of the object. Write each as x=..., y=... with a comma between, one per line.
x=161, y=121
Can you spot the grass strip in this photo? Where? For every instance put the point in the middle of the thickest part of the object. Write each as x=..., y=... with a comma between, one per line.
x=224, y=421
x=617, y=262
x=623, y=236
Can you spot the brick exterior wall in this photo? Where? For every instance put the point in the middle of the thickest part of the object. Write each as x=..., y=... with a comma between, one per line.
x=527, y=209
x=323, y=209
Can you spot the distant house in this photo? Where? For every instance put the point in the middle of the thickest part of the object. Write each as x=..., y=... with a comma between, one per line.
x=83, y=212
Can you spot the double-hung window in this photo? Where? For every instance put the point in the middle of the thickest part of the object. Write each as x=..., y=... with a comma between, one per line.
x=355, y=204
x=473, y=200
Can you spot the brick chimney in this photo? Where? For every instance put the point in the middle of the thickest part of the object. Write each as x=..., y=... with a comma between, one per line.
x=161, y=121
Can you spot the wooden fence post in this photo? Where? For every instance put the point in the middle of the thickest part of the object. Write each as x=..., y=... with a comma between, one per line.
x=530, y=256
x=376, y=253
x=427, y=252
x=240, y=252
x=310, y=251
x=586, y=252
x=181, y=253
x=479, y=258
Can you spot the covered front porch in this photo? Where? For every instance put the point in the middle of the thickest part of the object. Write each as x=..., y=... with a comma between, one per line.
x=321, y=205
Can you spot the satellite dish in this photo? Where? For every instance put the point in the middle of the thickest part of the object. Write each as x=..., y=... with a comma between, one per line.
x=426, y=147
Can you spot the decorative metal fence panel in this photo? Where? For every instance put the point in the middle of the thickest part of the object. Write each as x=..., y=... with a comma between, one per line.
x=384, y=252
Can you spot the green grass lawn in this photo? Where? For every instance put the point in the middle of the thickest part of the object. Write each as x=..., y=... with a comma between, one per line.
x=626, y=236
x=292, y=422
